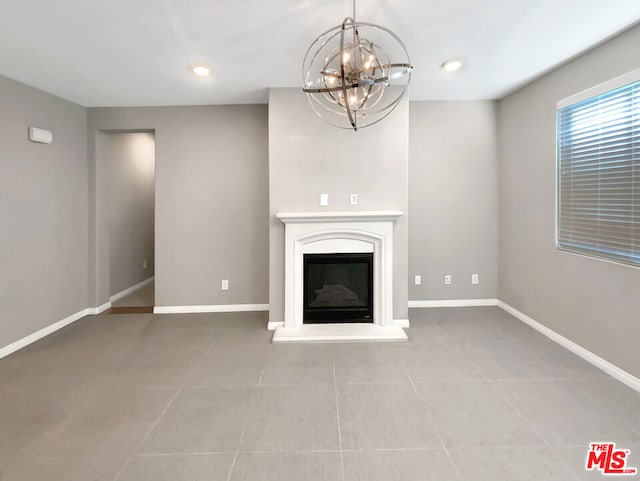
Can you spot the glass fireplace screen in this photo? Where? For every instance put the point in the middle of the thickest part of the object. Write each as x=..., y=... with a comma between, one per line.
x=338, y=288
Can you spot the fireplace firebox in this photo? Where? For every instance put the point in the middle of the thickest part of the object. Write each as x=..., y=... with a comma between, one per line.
x=338, y=288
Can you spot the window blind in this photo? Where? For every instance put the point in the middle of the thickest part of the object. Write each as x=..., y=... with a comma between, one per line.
x=599, y=175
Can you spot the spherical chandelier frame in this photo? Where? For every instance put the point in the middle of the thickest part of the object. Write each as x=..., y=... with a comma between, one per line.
x=347, y=83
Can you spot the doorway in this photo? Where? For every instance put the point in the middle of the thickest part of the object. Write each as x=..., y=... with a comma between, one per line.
x=128, y=159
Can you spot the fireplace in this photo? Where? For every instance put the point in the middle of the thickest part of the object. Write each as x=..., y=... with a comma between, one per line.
x=323, y=247
x=338, y=288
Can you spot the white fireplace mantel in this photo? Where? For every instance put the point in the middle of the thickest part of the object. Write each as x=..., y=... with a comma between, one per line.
x=354, y=216
x=339, y=232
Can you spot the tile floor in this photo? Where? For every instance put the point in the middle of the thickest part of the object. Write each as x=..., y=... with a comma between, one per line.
x=475, y=395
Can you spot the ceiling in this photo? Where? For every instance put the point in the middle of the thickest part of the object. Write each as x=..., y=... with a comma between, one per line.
x=137, y=52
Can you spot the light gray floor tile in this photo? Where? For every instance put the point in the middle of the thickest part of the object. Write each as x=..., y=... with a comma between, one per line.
x=169, y=366
x=473, y=414
x=512, y=328
x=75, y=459
x=166, y=331
x=510, y=464
x=121, y=411
x=77, y=405
x=241, y=328
x=370, y=363
x=427, y=333
x=565, y=363
x=461, y=323
x=97, y=438
x=22, y=436
x=321, y=374
x=440, y=363
x=37, y=410
x=472, y=330
x=424, y=328
x=287, y=467
x=188, y=467
x=286, y=418
x=444, y=314
x=614, y=396
x=250, y=336
x=563, y=415
x=488, y=432
x=462, y=398
x=299, y=364
x=379, y=416
x=399, y=465
x=201, y=420
x=305, y=354
x=68, y=368
x=92, y=332
x=509, y=360
x=230, y=366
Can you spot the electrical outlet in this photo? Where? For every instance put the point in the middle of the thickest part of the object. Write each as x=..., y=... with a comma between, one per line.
x=225, y=285
x=447, y=280
x=475, y=279
x=144, y=264
x=418, y=280
x=353, y=199
x=324, y=199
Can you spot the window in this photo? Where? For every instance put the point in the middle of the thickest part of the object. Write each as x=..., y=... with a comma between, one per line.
x=599, y=171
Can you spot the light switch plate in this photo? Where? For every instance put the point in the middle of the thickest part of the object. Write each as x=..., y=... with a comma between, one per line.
x=353, y=199
x=324, y=199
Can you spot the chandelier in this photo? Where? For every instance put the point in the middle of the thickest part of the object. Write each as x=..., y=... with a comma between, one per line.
x=349, y=77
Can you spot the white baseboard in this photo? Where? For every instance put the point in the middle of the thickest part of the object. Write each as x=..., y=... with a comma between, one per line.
x=273, y=325
x=92, y=311
x=129, y=290
x=454, y=303
x=611, y=369
x=404, y=323
x=212, y=308
x=36, y=336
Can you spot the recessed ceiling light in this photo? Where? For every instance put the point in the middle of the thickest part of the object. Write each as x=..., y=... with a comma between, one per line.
x=451, y=65
x=201, y=70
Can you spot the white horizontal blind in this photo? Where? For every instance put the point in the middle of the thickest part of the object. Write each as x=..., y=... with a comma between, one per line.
x=599, y=175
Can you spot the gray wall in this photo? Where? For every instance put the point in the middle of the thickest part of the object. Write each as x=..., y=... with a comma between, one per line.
x=129, y=159
x=43, y=211
x=453, y=199
x=308, y=157
x=594, y=303
x=211, y=202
